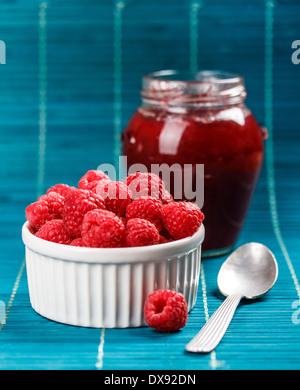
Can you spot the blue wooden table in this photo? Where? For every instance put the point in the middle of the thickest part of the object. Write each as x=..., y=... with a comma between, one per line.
x=70, y=83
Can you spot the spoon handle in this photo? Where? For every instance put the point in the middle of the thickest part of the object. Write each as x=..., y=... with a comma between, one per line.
x=212, y=332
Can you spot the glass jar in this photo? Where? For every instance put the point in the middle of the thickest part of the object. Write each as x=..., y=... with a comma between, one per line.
x=201, y=119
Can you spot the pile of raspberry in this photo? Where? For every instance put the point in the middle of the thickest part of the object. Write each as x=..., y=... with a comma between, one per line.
x=102, y=213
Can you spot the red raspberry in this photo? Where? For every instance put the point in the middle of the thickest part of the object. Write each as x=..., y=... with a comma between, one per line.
x=164, y=240
x=62, y=189
x=54, y=231
x=55, y=202
x=145, y=184
x=166, y=311
x=102, y=229
x=182, y=219
x=140, y=232
x=167, y=197
x=116, y=195
x=91, y=179
x=77, y=203
x=77, y=242
x=146, y=207
x=31, y=229
x=124, y=220
x=164, y=232
x=37, y=214
x=46, y=208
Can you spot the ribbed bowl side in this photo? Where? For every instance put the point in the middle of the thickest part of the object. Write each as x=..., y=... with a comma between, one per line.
x=106, y=295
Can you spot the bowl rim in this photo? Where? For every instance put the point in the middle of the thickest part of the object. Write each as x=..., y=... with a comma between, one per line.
x=111, y=255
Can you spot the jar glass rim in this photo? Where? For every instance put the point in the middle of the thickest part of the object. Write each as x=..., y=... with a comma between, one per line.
x=202, y=76
x=205, y=88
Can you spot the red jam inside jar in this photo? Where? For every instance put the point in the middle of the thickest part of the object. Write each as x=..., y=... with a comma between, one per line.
x=201, y=119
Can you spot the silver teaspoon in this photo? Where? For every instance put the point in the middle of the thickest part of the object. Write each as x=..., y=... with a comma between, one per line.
x=250, y=271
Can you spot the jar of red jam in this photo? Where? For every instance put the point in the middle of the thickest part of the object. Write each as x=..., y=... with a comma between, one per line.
x=201, y=119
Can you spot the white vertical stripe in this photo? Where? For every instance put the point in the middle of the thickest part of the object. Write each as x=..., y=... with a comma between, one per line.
x=12, y=296
x=99, y=363
x=42, y=96
x=195, y=5
x=118, y=10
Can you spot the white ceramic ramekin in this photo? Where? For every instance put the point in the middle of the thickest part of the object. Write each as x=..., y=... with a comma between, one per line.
x=107, y=287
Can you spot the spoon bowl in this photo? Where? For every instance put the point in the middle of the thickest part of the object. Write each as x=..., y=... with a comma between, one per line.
x=250, y=271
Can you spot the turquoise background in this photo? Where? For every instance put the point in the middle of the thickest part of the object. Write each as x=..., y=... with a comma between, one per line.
x=70, y=84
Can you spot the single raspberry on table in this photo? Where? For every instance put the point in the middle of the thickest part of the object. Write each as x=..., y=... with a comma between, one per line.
x=91, y=179
x=146, y=207
x=182, y=219
x=46, y=208
x=54, y=231
x=145, y=184
x=140, y=232
x=77, y=203
x=62, y=189
x=116, y=195
x=166, y=311
x=102, y=229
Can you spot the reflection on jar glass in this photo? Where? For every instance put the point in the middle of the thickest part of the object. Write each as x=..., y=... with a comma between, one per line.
x=201, y=119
